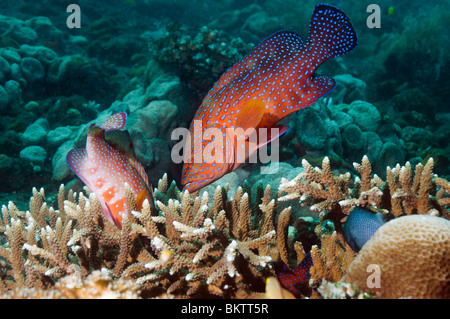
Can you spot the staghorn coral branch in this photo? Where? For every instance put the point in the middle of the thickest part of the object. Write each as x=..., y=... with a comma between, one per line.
x=245, y=216
x=125, y=243
x=282, y=231
x=326, y=193
x=317, y=184
x=188, y=231
x=423, y=205
x=191, y=248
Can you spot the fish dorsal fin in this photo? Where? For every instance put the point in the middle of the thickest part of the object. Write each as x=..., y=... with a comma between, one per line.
x=271, y=52
x=115, y=122
x=251, y=114
x=95, y=137
x=95, y=130
x=121, y=140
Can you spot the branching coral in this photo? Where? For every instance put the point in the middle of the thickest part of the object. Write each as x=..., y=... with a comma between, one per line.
x=193, y=248
x=331, y=260
x=403, y=193
x=326, y=192
x=218, y=250
x=43, y=244
x=190, y=249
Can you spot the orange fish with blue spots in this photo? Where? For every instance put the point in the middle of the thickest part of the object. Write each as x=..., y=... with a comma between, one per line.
x=289, y=279
x=107, y=163
x=274, y=80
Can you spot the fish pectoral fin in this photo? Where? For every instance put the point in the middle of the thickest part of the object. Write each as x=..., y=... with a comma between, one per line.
x=272, y=134
x=140, y=198
x=251, y=114
x=107, y=213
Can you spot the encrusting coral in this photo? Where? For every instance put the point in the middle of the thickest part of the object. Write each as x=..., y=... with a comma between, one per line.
x=189, y=249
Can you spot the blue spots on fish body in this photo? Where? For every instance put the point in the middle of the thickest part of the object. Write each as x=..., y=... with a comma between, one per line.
x=280, y=74
x=290, y=278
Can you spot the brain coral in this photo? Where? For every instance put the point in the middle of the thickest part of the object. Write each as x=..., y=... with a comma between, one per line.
x=413, y=255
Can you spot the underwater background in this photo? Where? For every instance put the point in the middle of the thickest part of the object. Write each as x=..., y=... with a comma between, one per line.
x=156, y=60
x=130, y=53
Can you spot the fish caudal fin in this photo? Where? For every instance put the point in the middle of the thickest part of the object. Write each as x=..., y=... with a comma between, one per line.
x=330, y=33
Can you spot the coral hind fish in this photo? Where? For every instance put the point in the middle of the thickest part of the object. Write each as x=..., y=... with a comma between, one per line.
x=274, y=80
x=290, y=278
x=107, y=163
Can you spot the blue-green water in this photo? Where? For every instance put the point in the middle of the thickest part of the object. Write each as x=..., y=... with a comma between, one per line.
x=60, y=71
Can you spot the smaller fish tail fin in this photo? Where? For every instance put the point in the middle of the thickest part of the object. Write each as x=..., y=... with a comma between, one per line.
x=331, y=33
x=140, y=198
x=106, y=210
x=146, y=193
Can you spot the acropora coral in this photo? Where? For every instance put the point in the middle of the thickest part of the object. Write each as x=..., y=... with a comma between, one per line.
x=190, y=249
x=223, y=248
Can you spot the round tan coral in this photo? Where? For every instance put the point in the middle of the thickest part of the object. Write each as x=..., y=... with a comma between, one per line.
x=413, y=256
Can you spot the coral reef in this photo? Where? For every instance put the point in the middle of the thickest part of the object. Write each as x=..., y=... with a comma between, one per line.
x=331, y=261
x=198, y=58
x=44, y=85
x=346, y=132
x=155, y=60
x=190, y=249
x=402, y=194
